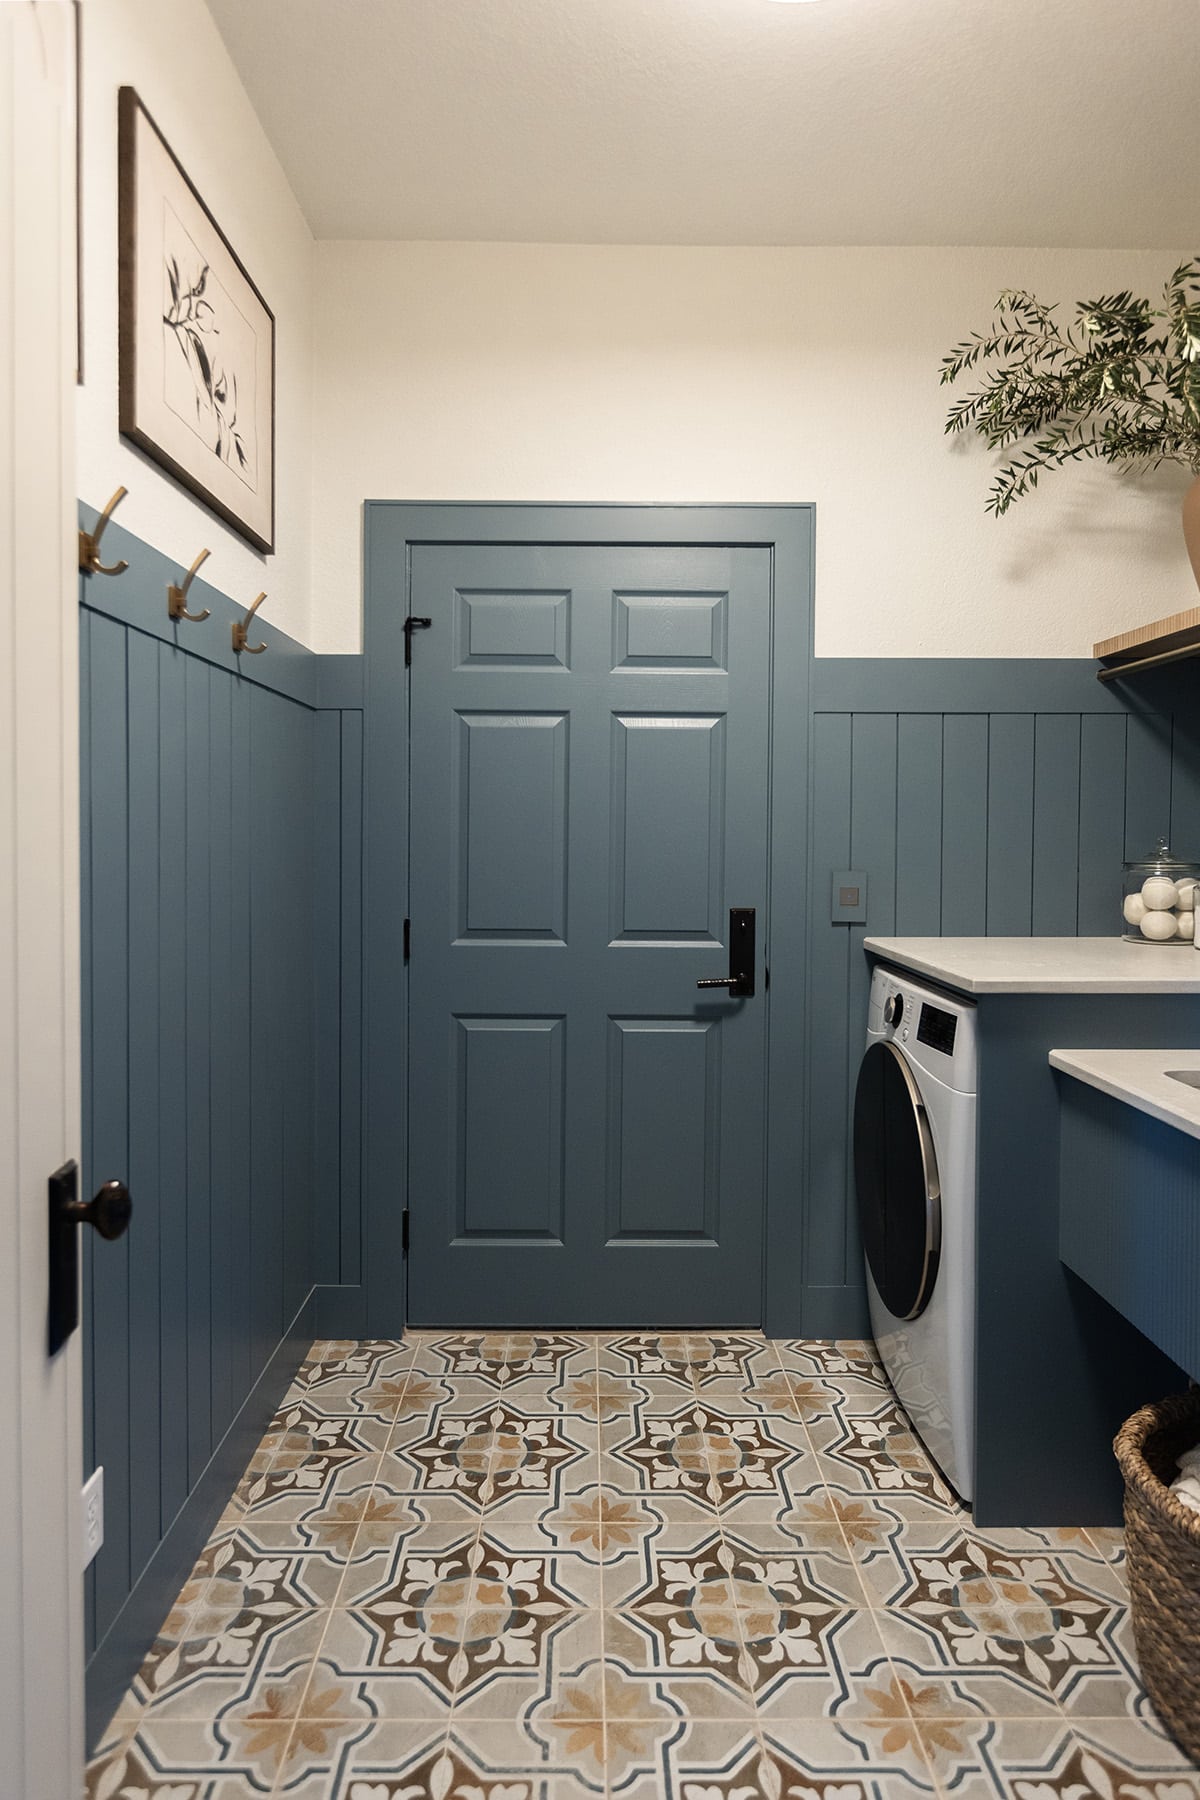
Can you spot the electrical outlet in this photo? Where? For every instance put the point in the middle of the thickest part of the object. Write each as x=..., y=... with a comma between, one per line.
x=93, y=1515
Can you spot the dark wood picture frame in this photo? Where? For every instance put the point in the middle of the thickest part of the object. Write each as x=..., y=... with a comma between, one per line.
x=223, y=456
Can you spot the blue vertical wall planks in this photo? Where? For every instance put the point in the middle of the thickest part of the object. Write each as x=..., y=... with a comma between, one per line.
x=1148, y=746
x=1185, y=785
x=970, y=814
x=237, y=954
x=142, y=1175
x=268, y=928
x=108, y=757
x=197, y=1063
x=351, y=995
x=298, y=1018
x=1055, y=878
x=327, y=955
x=918, y=822
x=829, y=976
x=170, y=832
x=204, y=828
x=964, y=824
x=1102, y=799
x=220, y=926
x=1010, y=825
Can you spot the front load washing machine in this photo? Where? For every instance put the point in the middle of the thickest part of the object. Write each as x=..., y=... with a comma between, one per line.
x=914, y=1171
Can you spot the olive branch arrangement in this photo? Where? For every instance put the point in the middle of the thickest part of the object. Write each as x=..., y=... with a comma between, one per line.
x=1120, y=383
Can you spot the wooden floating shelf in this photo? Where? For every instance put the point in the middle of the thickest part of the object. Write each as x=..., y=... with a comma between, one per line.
x=1148, y=646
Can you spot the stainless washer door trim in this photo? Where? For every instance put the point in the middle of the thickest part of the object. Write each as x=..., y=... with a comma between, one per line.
x=933, y=1188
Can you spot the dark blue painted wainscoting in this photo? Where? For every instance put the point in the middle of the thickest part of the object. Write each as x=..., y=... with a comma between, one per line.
x=995, y=798
x=223, y=988
x=222, y=981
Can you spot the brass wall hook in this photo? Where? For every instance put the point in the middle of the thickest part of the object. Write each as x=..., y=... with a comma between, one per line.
x=89, y=542
x=239, y=628
x=177, y=596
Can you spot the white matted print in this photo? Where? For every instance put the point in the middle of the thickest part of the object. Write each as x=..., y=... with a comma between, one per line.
x=197, y=339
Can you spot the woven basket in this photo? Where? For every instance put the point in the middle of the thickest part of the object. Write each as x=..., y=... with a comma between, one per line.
x=1162, y=1543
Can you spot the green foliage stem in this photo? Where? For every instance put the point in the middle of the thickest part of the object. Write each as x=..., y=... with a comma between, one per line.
x=1120, y=383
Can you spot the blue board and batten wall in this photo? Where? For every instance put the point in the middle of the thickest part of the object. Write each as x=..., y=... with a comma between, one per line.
x=993, y=798
x=222, y=984
x=225, y=968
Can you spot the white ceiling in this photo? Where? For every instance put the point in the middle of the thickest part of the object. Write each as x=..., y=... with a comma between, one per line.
x=1038, y=122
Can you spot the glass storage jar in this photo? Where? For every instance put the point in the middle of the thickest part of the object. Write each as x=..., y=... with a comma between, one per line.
x=1159, y=899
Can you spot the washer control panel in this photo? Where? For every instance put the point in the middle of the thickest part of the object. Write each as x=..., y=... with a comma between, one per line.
x=937, y=1030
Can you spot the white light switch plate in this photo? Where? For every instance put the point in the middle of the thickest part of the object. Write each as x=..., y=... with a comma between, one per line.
x=93, y=1514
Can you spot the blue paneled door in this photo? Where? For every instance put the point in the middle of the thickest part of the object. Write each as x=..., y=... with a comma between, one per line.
x=589, y=798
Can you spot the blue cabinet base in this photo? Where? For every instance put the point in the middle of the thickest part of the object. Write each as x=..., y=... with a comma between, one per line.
x=1057, y=1370
x=1130, y=1216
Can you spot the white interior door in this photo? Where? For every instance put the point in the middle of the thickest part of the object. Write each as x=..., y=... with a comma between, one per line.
x=41, y=1640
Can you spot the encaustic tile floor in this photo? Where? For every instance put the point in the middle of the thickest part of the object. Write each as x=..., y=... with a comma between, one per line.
x=544, y=1566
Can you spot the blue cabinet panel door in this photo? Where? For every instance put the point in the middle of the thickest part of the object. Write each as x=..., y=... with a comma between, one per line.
x=589, y=787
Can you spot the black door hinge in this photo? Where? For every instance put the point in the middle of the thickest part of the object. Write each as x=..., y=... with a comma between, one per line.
x=412, y=624
x=407, y=939
x=404, y=1231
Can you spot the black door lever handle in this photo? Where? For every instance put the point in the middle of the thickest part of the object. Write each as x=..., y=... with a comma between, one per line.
x=740, y=979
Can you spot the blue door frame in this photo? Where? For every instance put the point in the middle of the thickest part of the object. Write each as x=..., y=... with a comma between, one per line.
x=392, y=529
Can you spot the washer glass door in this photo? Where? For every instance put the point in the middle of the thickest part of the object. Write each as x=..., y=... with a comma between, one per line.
x=896, y=1177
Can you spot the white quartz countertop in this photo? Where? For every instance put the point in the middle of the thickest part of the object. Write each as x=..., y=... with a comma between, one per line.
x=1140, y=1078
x=998, y=965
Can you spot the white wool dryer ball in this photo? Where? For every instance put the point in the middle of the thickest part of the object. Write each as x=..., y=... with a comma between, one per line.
x=1135, y=909
x=1185, y=924
x=1158, y=926
x=1159, y=892
x=1187, y=895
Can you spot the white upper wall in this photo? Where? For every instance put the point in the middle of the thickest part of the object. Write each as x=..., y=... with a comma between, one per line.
x=172, y=53
x=613, y=373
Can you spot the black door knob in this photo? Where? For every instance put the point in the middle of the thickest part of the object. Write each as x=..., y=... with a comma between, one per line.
x=109, y=1210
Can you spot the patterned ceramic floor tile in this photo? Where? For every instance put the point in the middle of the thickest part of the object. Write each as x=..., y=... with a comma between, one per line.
x=720, y=1608
x=837, y=1359
x=499, y=1358
x=608, y=1726
x=488, y=1453
x=1052, y=1760
x=761, y=1770
x=690, y=1360
x=962, y=1659
x=133, y=1769
x=599, y=1525
x=631, y=1566
x=877, y=1451
x=936, y=1561
x=866, y=1733
x=700, y=1450
x=506, y=1680
x=241, y=1610
x=347, y=1386
x=396, y=1764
